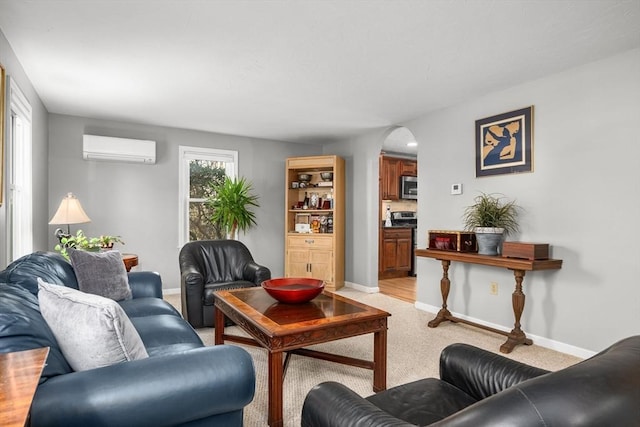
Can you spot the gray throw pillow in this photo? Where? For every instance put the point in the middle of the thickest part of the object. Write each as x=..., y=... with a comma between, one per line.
x=101, y=273
x=92, y=331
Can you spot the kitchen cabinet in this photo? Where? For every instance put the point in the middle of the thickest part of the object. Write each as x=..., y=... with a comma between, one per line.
x=314, y=219
x=395, y=256
x=389, y=178
x=391, y=169
x=408, y=167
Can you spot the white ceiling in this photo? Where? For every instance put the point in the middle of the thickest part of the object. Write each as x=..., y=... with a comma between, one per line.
x=301, y=71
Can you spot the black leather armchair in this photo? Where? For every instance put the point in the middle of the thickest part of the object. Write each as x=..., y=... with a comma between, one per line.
x=479, y=388
x=207, y=266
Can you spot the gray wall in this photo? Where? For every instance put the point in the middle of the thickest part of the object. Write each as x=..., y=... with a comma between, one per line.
x=583, y=198
x=140, y=202
x=361, y=196
x=14, y=71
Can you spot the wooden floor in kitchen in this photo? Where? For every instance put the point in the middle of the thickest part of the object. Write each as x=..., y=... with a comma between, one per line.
x=403, y=288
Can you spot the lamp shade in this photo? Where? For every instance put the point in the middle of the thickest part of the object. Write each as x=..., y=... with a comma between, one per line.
x=70, y=212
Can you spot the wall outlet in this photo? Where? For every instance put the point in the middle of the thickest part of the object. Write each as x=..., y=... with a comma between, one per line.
x=493, y=288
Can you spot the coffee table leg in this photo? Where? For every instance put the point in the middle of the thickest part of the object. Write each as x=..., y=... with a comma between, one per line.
x=275, y=389
x=380, y=360
x=218, y=332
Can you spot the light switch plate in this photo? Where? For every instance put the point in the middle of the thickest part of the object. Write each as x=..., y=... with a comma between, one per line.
x=456, y=188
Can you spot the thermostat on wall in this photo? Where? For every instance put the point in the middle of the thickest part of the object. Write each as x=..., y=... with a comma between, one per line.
x=456, y=188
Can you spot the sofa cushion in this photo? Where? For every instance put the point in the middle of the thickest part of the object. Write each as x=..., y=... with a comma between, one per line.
x=49, y=266
x=101, y=273
x=166, y=334
x=92, y=331
x=22, y=327
x=142, y=307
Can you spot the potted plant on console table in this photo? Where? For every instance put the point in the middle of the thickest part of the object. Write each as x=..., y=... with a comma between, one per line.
x=491, y=217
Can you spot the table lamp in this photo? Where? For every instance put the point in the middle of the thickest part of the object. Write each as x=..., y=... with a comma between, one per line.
x=69, y=212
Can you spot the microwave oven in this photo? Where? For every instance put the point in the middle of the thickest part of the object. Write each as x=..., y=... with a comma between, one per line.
x=408, y=187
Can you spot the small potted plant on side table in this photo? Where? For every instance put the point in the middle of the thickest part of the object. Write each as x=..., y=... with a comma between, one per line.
x=491, y=217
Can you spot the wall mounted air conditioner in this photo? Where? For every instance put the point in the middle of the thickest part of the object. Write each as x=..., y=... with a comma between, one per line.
x=108, y=148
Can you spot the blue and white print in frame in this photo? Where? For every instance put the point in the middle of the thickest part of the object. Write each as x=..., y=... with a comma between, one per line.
x=504, y=143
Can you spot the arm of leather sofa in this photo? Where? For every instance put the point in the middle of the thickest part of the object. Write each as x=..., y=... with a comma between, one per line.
x=159, y=391
x=481, y=373
x=331, y=404
x=256, y=273
x=145, y=284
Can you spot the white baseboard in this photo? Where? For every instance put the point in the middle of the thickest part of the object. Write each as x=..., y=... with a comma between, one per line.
x=362, y=288
x=171, y=291
x=541, y=341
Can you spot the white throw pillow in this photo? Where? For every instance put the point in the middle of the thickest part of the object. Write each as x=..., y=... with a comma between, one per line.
x=92, y=331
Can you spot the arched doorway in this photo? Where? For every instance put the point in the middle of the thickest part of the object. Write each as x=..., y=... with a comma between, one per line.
x=398, y=209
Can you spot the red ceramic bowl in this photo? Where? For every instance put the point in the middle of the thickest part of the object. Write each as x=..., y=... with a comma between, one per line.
x=292, y=290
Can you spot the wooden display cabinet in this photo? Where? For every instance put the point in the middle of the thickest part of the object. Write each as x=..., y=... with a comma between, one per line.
x=314, y=233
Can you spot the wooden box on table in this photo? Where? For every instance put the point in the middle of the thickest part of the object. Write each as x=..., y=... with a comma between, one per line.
x=530, y=251
x=457, y=241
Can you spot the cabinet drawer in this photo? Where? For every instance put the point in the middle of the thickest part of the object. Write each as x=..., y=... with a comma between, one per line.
x=310, y=242
x=396, y=233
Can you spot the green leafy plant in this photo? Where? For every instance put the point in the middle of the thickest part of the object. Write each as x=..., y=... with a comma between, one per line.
x=85, y=243
x=492, y=210
x=231, y=203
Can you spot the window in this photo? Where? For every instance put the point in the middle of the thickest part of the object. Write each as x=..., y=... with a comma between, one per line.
x=20, y=227
x=200, y=169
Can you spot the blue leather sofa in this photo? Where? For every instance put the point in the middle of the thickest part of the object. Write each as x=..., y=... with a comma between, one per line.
x=182, y=383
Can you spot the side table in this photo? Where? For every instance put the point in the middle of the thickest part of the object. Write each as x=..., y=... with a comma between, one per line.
x=19, y=375
x=130, y=261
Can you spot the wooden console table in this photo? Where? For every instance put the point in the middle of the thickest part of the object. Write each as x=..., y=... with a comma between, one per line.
x=518, y=266
x=19, y=375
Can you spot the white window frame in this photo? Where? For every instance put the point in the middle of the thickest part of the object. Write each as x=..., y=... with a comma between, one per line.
x=20, y=168
x=186, y=154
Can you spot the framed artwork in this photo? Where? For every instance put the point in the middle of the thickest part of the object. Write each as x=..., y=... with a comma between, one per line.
x=2, y=101
x=504, y=143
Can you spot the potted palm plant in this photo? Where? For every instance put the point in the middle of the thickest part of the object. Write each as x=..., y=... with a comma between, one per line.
x=491, y=217
x=231, y=203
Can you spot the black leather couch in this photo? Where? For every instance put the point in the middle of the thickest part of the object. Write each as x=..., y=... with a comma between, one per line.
x=182, y=383
x=479, y=388
x=207, y=266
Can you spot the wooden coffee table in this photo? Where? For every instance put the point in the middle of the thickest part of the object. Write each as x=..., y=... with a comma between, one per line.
x=281, y=328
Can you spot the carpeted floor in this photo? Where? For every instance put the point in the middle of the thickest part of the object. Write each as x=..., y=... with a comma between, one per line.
x=413, y=352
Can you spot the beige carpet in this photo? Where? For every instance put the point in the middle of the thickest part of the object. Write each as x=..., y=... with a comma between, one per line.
x=413, y=352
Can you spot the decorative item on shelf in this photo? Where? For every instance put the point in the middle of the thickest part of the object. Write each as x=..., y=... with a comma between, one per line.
x=295, y=184
x=315, y=224
x=292, y=290
x=304, y=177
x=314, y=201
x=323, y=224
x=491, y=217
x=231, y=203
x=69, y=212
x=326, y=176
